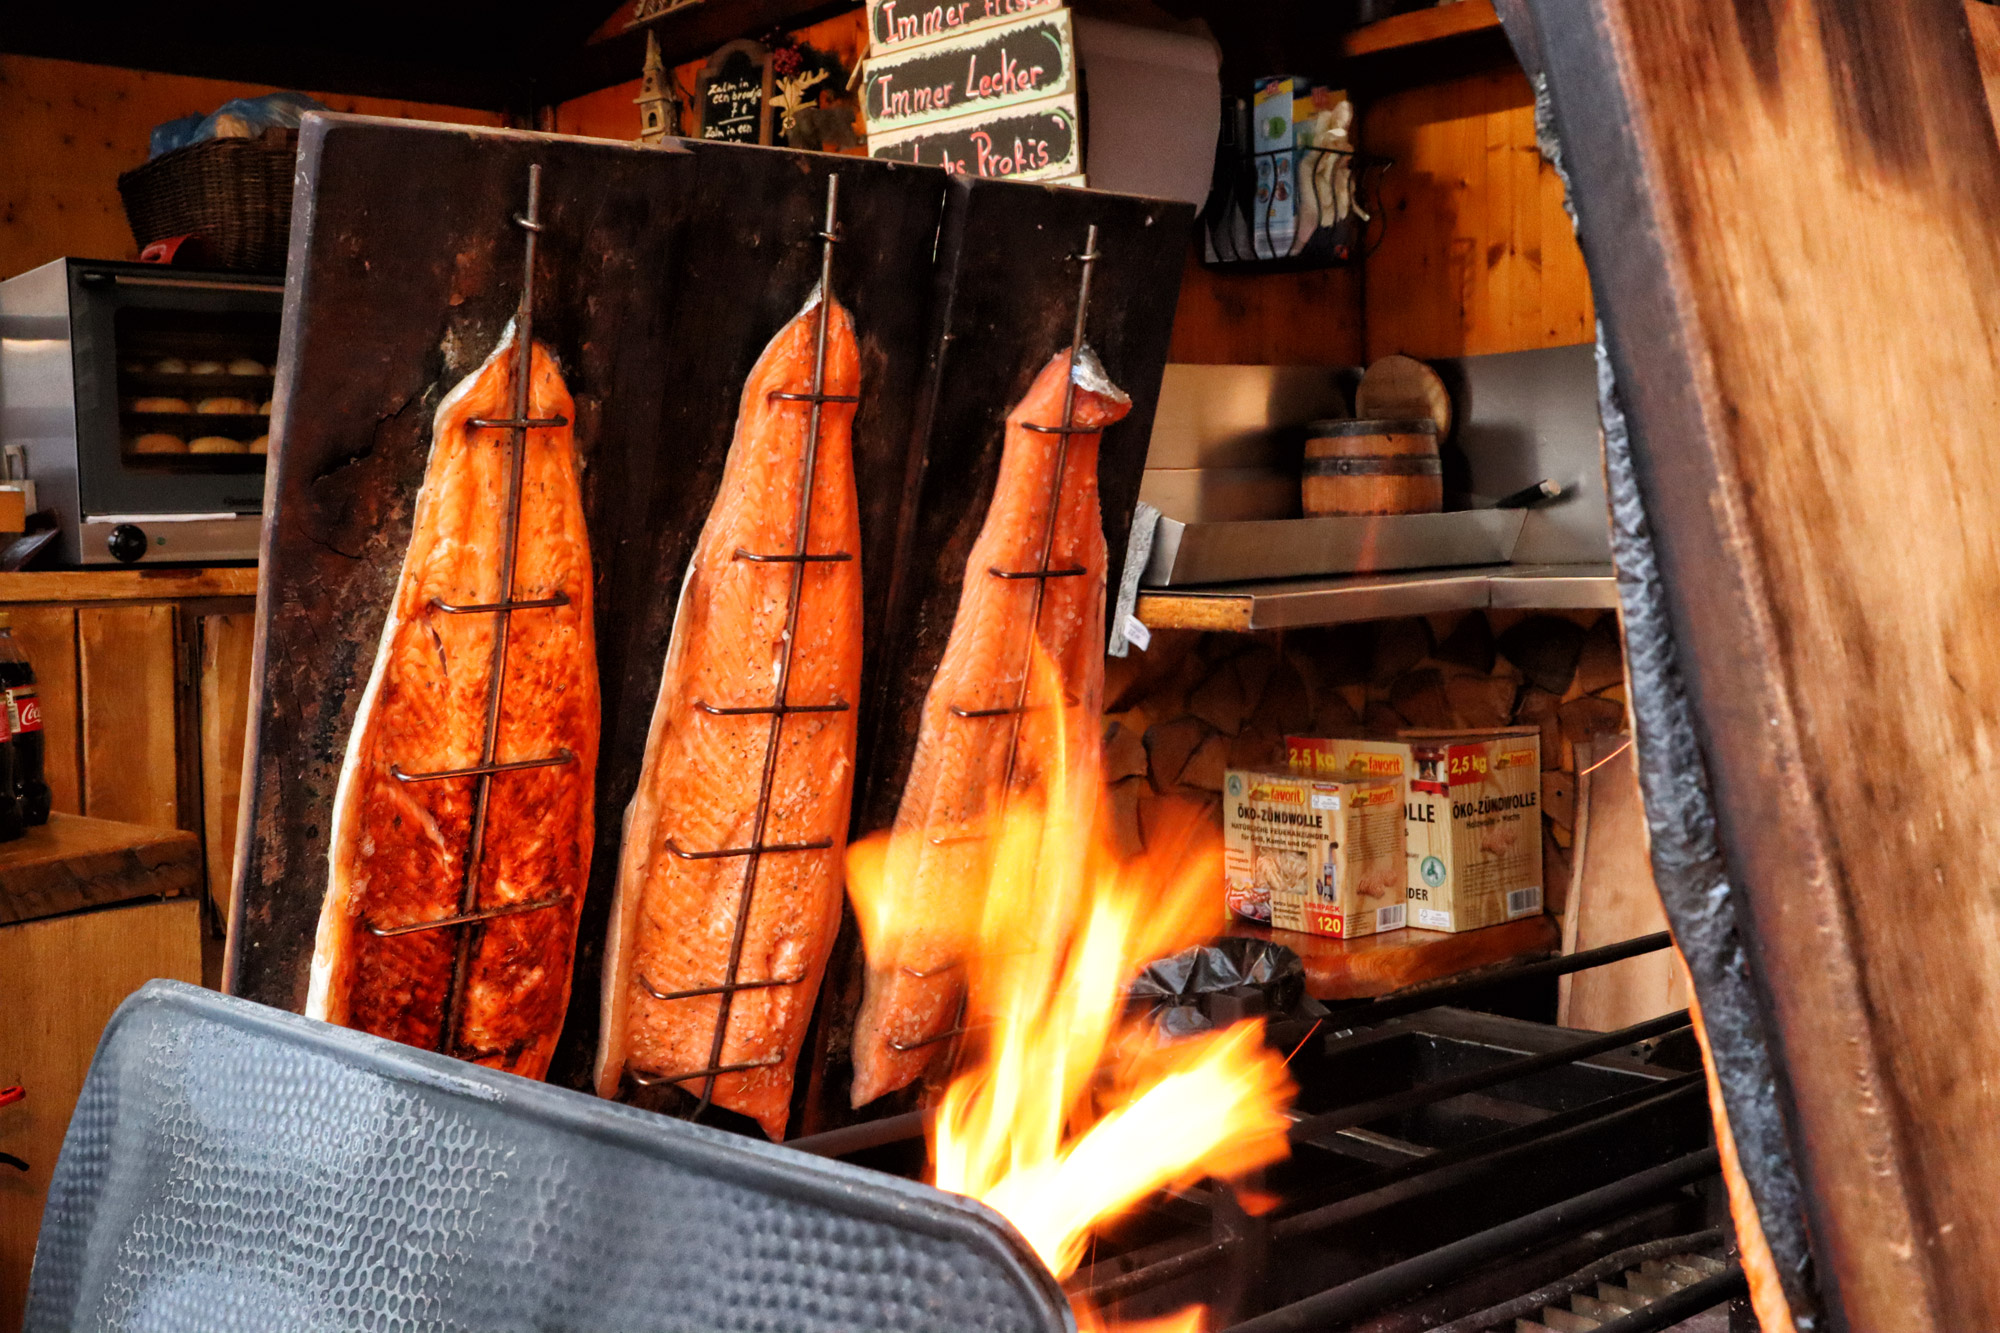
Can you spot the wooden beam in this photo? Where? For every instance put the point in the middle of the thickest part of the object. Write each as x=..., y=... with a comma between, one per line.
x=1787, y=209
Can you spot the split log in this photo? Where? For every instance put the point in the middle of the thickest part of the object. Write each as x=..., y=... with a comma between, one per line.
x=1124, y=751
x=1601, y=663
x=1546, y=649
x=1208, y=765
x=1221, y=700
x=1169, y=746
x=1481, y=701
x=1419, y=698
x=1398, y=646
x=1469, y=645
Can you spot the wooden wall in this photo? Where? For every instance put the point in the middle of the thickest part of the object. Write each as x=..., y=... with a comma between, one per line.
x=67, y=130
x=1479, y=255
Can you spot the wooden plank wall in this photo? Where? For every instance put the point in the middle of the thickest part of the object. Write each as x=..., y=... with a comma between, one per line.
x=1478, y=255
x=69, y=129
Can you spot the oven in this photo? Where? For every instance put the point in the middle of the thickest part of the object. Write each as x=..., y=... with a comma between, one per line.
x=140, y=398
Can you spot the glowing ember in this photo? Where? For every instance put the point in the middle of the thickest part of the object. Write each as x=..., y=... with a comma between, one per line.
x=1063, y=1112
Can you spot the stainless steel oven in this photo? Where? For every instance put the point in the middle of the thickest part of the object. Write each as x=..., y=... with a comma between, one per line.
x=141, y=397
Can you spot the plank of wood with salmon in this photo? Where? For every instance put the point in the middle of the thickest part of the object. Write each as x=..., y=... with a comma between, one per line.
x=690, y=893
x=975, y=752
x=400, y=839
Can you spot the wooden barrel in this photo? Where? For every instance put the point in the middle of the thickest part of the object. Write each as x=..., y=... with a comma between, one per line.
x=1372, y=467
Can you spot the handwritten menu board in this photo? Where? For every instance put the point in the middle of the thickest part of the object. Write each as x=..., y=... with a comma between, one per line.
x=734, y=94
x=1035, y=142
x=897, y=23
x=981, y=72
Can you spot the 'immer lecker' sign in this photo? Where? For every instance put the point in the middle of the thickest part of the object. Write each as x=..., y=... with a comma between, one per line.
x=983, y=71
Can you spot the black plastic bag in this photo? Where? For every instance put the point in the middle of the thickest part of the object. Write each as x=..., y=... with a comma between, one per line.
x=1213, y=985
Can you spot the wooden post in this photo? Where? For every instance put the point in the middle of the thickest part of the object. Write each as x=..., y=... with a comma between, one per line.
x=1788, y=212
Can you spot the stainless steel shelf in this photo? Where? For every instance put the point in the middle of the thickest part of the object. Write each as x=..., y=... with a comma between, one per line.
x=1296, y=603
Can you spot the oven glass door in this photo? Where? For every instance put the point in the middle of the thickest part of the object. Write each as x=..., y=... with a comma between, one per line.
x=173, y=387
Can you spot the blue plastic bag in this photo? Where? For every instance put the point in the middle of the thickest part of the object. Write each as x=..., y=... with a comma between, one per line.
x=238, y=118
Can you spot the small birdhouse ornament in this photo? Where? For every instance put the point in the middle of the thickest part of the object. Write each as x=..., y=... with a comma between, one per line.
x=659, y=109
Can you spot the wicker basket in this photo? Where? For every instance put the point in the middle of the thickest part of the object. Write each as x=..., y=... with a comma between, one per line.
x=236, y=194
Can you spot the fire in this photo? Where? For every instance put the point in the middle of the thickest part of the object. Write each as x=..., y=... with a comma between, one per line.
x=1064, y=1112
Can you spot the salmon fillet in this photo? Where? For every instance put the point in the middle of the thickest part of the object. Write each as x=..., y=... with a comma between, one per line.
x=398, y=848
x=677, y=910
x=932, y=885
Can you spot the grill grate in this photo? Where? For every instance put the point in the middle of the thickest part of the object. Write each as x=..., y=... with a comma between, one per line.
x=517, y=424
x=1441, y=1156
x=780, y=708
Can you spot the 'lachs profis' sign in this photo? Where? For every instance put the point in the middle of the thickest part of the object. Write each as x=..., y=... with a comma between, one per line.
x=897, y=23
x=979, y=72
x=1033, y=142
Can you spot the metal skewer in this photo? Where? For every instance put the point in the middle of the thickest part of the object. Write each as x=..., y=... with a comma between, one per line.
x=517, y=424
x=1040, y=575
x=778, y=710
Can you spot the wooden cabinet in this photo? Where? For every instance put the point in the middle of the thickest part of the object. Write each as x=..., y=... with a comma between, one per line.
x=90, y=910
x=144, y=678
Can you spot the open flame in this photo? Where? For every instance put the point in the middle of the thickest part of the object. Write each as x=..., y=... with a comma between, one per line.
x=1064, y=1112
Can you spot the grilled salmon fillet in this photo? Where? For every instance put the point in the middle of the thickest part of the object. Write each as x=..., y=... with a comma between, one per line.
x=932, y=881
x=677, y=912
x=399, y=847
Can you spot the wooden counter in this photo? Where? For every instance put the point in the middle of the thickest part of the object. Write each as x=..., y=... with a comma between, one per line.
x=164, y=584
x=1400, y=959
x=144, y=675
x=72, y=863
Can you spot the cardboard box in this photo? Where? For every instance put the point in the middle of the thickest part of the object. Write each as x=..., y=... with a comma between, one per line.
x=1315, y=855
x=1472, y=815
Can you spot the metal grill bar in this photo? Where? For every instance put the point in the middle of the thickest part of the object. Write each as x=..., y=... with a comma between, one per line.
x=765, y=849
x=798, y=558
x=1039, y=576
x=659, y=994
x=479, y=608
x=463, y=918
x=756, y=709
x=1421, y=1176
x=646, y=1078
x=1350, y=1300
x=1348, y=1117
x=1069, y=573
x=801, y=558
x=516, y=423
x=1395, y=1006
x=496, y=676
x=482, y=770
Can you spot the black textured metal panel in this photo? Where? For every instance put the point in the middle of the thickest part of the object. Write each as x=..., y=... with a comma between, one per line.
x=232, y=1167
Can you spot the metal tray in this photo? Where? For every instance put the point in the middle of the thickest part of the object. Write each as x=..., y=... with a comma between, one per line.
x=234, y=1167
x=1198, y=553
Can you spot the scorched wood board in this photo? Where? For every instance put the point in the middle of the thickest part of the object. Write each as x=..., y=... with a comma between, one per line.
x=662, y=273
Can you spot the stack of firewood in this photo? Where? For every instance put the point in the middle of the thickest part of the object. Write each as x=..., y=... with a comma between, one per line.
x=1181, y=714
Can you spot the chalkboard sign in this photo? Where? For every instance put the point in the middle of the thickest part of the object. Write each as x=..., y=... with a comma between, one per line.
x=1033, y=142
x=734, y=94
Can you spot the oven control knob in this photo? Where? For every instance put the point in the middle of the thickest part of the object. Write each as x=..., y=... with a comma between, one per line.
x=127, y=543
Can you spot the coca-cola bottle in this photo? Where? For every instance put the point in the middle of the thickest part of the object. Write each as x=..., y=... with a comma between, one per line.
x=24, y=720
x=11, y=826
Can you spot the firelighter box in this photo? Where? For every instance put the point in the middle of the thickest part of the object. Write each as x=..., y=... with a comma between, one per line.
x=1475, y=827
x=1316, y=855
x=1473, y=836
